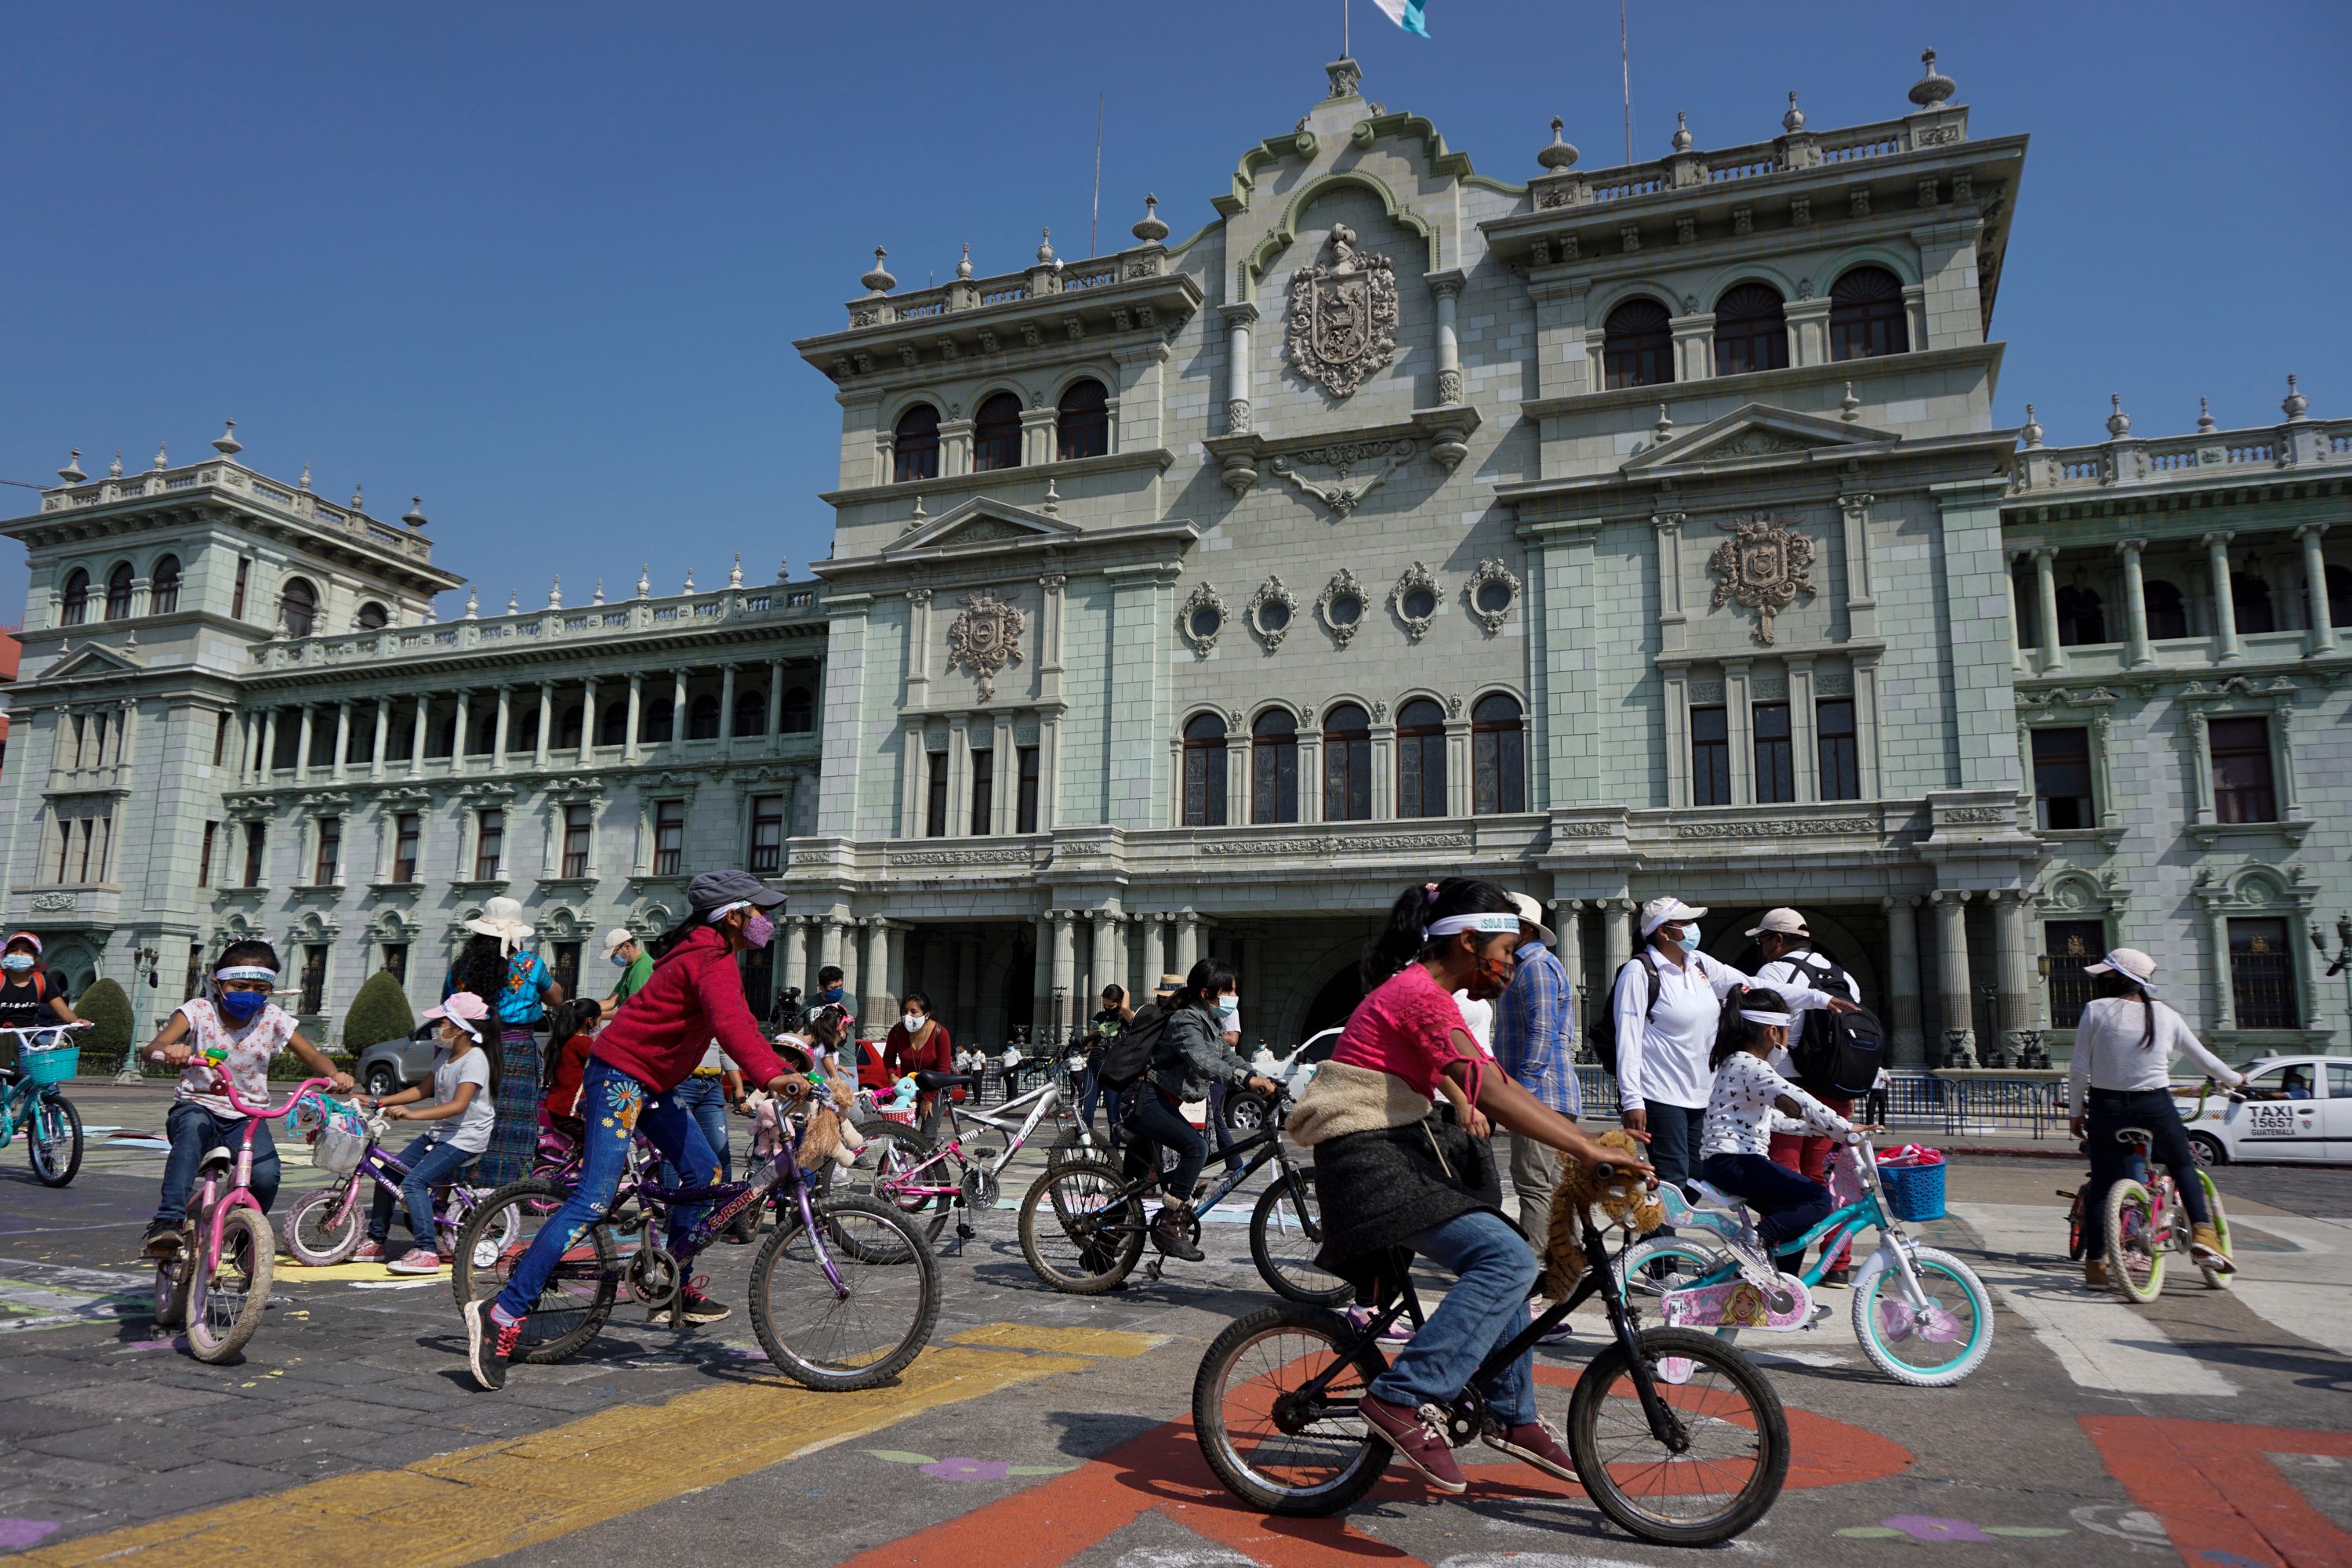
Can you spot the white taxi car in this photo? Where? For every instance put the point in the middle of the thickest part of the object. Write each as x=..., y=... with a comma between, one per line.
x=2297, y=1108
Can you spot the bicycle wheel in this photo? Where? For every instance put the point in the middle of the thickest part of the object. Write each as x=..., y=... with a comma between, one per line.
x=2135, y=1262
x=323, y=1228
x=2215, y=1277
x=54, y=1140
x=1285, y=1233
x=1081, y=1229
x=1648, y=1269
x=1075, y=1143
x=1727, y=1470
x=173, y=1278
x=579, y=1293
x=1274, y=1449
x=230, y=1291
x=897, y=1154
x=829, y=1318
x=1936, y=1340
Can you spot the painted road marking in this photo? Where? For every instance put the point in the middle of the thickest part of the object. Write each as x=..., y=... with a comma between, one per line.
x=2219, y=1489
x=52, y=1296
x=1116, y=1343
x=507, y=1495
x=2100, y=1341
x=2300, y=1287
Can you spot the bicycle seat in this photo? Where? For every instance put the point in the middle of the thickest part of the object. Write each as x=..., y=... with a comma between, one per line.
x=2134, y=1135
x=214, y=1156
x=927, y=1081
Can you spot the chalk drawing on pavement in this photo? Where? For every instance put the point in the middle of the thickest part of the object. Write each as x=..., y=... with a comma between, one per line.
x=1922, y=1527
x=15, y=1534
x=964, y=1470
x=51, y=1295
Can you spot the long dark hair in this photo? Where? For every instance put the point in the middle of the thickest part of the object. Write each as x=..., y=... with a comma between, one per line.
x=1733, y=1032
x=1209, y=979
x=2114, y=983
x=481, y=968
x=564, y=1020
x=1417, y=908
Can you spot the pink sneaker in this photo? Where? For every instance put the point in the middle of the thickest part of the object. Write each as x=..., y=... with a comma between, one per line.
x=415, y=1260
x=369, y=1252
x=1419, y=1438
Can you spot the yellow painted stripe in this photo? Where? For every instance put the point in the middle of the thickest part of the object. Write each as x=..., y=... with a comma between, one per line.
x=1111, y=1342
x=477, y=1503
x=301, y=1274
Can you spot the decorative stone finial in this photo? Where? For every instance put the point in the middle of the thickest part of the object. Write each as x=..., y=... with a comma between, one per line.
x=783, y=568
x=964, y=263
x=303, y=484
x=1663, y=430
x=1683, y=138
x=1932, y=87
x=415, y=515
x=473, y=604
x=359, y=497
x=2118, y=421
x=689, y=582
x=1052, y=505
x=1794, y=121
x=514, y=602
x=71, y=473
x=161, y=461
x=1561, y=153
x=225, y=443
x=645, y=582
x=1346, y=76
x=2033, y=430
x=2294, y=405
x=1850, y=406
x=2206, y=422
x=920, y=515
x=879, y=281
x=555, y=592
x=114, y=468
x=1151, y=230
x=1045, y=250
x=600, y=591
x=735, y=573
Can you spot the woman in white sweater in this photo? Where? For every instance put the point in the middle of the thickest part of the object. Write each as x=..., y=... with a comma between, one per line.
x=2119, y=1076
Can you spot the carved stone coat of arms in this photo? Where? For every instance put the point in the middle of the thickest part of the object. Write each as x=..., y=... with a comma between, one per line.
x=1343, y=315
x=985, y=636
x=1762, y=565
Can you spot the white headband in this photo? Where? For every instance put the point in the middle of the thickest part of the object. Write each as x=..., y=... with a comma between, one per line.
x=1755, y=1017
x=723, y=910
x=246, y=972
x=1485, y=925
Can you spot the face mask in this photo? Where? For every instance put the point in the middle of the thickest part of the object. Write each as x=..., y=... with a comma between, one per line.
x=620, y=961
x=831, y=993
x=1490, y=979
x=758, y=930
x=911, y=1022
x=16, y=962
x=243, y=1006
x=1229, y=1012
x=1690, y=934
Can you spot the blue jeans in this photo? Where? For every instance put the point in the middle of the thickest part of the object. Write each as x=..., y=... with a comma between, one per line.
x=1157, y=1118
x=1495, y=1270
x=193, y=1130
x=1786, y=1203
x=1114, y=1101
x=2108, y=1110
x=1674, y=1140
x=1217, y=1126
x=705, y=1099
x=430, y=1165
x=616, y=1107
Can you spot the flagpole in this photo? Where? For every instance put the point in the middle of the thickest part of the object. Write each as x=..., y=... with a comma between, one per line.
x=1094, y=224
x=1346, y=37
x=1625, y=61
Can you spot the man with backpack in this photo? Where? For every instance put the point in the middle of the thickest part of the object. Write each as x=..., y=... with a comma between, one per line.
x=1834, y=1056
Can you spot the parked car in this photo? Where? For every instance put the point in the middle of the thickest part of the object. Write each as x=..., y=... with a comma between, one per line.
x=1244, y=1110
x=389, y=1065
x=2293, y=1108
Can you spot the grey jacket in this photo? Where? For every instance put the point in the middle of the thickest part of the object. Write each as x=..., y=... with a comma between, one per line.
x=1194, y=1055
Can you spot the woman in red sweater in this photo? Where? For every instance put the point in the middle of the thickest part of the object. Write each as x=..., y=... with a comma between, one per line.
x=919, y=1043
x=696, y=995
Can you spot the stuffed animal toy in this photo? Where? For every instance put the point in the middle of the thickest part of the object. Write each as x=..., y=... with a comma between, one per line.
x=901, y=1098
x=833, y=1101
x=1624, y=1201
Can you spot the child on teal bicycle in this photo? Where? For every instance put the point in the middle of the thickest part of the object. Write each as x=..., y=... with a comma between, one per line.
x=28, y=999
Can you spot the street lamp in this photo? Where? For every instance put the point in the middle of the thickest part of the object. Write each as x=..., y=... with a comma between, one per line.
x=142, y=967
x=2342, y=963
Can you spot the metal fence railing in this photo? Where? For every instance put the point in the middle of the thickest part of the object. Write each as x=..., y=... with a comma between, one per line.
x=1953, y=1107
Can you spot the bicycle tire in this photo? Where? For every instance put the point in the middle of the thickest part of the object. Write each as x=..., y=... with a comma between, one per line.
x=912, y=1269
x=1075, y=1143
x=1355, y=1455
x=927, y=1213
x=1769, y=1465
x=1077, y=1215
x=220, y=1321
x=53, y=1122
x=583, y=1300
x=1878, y=1339
x=2215, y=1279
x=174, y=1277
x=308, y=1239
x=1293, y=1194
x=2130, y=1213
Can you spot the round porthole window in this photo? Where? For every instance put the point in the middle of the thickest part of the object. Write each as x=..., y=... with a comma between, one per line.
x=1493, y=598
x=1347, y=610
x=1206, y=622
x=1272, y=615
x=1419, y=604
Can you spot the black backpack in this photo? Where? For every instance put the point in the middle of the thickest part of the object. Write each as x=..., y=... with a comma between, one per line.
x=1132, y=1051
x=1836, y=1053
x=1604, y=1025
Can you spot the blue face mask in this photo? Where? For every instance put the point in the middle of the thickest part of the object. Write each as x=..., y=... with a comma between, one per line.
x=243, y=1007
x=621, y=961
x=16, y=962
x=831, y=993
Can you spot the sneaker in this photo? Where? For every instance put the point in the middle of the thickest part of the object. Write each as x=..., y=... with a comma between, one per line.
x=1419, y=1438
x=1533, y=1442
x=490, y=1344
x=2095, y=1273
x=1558, y=1334
x=1398, y=1332
x=1755, y=1259
x=1841, y=1275
x=1167, y=1234
x=163, y=1240
x=415, y=1260
x=2205, y=1247
x=694, y=1307
x=369, y=1252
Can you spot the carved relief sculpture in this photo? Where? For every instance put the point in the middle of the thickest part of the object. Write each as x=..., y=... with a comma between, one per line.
x=1414, y=601
x=1343, y=316
x=1270, y=611
x=1763, y=566
x=1202, y=618
x=985, y=636
x=1348, y=488
x=1340, y=607
x=1491, y=592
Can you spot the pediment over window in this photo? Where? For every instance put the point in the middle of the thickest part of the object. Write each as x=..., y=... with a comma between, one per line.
x=93, y=660
x=980, y=522
x=1758, y=432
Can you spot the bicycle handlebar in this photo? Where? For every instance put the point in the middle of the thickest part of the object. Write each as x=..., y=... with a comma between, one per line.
x=22, y=1030
x=262, y=1112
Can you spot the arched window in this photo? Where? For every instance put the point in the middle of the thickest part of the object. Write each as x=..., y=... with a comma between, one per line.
x=1083, y=429
x=74, y=607
x=1273, y=767
x=2339, y=598
x=800, y=711
x=613, y=724
x=569, y=724
x=163, y=586
x=2167, y=611
x=1204, y=771
x=2250, y=596
x=2081, y=618
x=1749, y=332
x=996, y=433
x=298, y=608
x=914, y=444
x=1346, y=765
x=702, y=718
x=118, y=593
x=1637, y=347
x=1866, y=315
x=751, y=713
x=661, y=720
x=1421, y=758
x=373, y=617
x=1498, y=756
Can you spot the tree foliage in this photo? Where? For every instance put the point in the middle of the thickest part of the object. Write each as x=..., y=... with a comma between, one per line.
x=379, y=1012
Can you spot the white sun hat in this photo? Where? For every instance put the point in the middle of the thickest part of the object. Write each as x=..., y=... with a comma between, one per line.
x=502, y=918
x=2131, y=963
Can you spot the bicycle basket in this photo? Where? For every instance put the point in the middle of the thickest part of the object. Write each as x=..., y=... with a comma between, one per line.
x=57, y=1065
x=341, y=1144
x=1914, y=1191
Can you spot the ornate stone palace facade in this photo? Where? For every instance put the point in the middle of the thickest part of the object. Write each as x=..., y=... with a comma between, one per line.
x=1620, y=532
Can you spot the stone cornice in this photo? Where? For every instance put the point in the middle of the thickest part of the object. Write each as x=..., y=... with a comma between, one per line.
x=1158, y=459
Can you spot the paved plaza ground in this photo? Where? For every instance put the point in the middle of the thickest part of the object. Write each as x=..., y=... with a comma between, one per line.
x=2209, y=1428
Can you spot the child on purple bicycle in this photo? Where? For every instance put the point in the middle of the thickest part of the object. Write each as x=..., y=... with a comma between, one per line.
x=462, y=1113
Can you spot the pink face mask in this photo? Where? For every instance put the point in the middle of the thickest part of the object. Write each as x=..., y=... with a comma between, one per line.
x=758, y=930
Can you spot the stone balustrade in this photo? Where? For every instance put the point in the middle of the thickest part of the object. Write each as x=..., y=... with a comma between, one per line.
x=1035, y=282
x=2191, y=458
x=1795, y=153
x=235, y=477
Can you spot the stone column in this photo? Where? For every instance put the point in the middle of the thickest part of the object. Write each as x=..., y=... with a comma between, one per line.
x=1445, y=287
x=775, y=731
x=417, y=739
x=1568, y=925
x=1250, y=961
x=268, y=740
x=894, y=963
x=302, y=747
x=830, y=947
x=2322, y=639
x=457, y=736
x=1907, y=1045
x=503, y=730
x=383, y=737
x=546, y=723
x=342, y=739
x=2135, y=604
x=1188, y=942
x=587, y=719
x=1238, y=317
x=1040, y=978
x=791, y=963
x=875, y=1001
x=2046, y=599
x=2225, y=608
x=1616, y=939
x=2013, y=972
x=967, y=995
x=726, y=707
x=1103, y=966
x=1952, y=971
x=637, y=709
x=958, y=822
x=677, y=711
x=1059, y=999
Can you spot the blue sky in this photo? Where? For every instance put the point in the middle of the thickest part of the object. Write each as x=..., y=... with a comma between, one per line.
x=542, y=263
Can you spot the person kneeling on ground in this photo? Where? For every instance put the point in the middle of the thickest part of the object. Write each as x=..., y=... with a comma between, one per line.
x=462, y=1114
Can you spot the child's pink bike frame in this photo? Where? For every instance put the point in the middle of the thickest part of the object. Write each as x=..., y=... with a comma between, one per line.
x=239, y=1194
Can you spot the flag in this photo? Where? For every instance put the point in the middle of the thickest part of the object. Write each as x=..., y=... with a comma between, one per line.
x=1405, y=14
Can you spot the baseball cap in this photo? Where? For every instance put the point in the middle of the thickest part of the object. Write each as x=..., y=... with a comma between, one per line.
x=2131, y=963
x=1784, y=921
x=615, y=938
x=1665, y=912
x=716, y=889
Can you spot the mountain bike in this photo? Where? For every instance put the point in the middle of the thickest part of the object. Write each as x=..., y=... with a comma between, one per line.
x=34, y=1098
x=843, y=1291
x=930, y=1176
x=1083, y=1225
x=2146, y=1218
x=1677, y=1435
